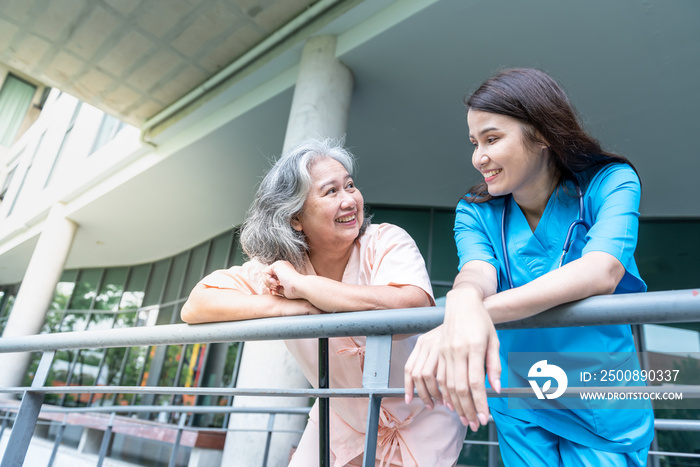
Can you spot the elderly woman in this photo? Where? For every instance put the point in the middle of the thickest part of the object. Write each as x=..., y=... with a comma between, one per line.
x=313, y=251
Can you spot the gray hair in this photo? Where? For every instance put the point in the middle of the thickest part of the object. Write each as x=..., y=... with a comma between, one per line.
x=267, y=234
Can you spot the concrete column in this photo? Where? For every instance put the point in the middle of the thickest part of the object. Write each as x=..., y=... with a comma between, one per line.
x=37, y=289
x=265, y=364
x=201, y=457
x=319, y=110
x=91, y=441
x=322, y=94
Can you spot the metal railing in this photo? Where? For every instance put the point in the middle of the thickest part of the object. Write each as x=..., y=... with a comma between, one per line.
x=653, y=307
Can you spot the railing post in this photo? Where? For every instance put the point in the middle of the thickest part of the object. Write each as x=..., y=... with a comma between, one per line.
x=375, y=376
x=57, y=442
x=324, y=442
x=106, y=439
x=27, y=415
x=270, y=428
x=493, y=449
x=176, y=444
x=5, y=419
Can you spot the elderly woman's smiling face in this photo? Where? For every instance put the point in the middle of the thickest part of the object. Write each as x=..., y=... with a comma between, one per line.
x=334, y=208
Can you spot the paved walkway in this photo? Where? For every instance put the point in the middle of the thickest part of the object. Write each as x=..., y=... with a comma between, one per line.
x=40, y=450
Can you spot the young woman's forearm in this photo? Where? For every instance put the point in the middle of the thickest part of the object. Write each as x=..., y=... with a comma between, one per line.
x=595, y=273
x=476, y=279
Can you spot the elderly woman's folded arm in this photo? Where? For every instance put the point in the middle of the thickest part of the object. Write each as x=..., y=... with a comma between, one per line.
x=212, y=304
x=331, y=296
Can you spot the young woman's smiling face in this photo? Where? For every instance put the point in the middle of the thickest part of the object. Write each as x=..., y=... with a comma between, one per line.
x=334, y=208
x=508, y=163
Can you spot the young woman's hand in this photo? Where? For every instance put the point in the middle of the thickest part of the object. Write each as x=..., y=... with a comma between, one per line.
x=468, y=349
x=449, y=363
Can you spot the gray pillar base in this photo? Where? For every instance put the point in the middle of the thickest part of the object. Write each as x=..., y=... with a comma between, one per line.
x=90, y=441
x=200, y=457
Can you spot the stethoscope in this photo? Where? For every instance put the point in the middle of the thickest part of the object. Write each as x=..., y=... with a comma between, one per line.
x=567, y=241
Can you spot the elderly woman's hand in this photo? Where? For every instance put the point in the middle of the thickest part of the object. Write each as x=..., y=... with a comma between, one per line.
x=281, y=278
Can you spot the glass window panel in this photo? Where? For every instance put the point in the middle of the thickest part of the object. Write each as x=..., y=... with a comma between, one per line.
x=192, y=366
x=111, y=369
x=85, y=289
x=474, y=454
x=60, y=368
x=126, y=320
x=134, y=292
x=122, y=367
x=444, y=262
x=135, y=363
x=170, y=364
x=147, y=317
x=15, y=98
x=131, y=300
x=53, y=378
x=669, y=265
x=231, y=361
x=73, y=322
x=7, y=303
x=87, y=366
x=112, y=288
x=69, y=275
x=59, y=158
x=138, y=277
x=165, y=315
x=156, y=282
x=195, y=268
x=177, y=273
x=415, y=222
x=668, y=339
x=62, y=295
x=229, y=369
x=52, y=322
x=20, y=190
x=440, y=291
x=101, y=321
x=148, y=356
x=237, y=256
x=107, y=131
x=7, y=181
x=220, y=248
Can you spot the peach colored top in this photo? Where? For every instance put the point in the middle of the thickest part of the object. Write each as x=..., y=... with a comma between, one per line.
x=409, y=435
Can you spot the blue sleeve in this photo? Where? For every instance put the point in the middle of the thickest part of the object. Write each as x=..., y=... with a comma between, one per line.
x=612, y=201
x=472, y=236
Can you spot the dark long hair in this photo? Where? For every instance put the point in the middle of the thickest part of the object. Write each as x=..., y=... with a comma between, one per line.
x=536, y=99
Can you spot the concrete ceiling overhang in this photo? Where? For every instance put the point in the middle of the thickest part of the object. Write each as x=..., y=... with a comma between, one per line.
x=134, y=58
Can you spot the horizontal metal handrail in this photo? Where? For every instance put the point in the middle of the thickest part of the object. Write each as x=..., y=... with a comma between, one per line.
x=651, y=307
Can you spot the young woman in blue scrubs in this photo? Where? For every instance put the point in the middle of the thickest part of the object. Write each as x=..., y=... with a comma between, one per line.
x=543, y=176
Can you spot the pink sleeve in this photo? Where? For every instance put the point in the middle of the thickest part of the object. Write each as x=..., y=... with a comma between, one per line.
x=246, y=279
x=394, y=259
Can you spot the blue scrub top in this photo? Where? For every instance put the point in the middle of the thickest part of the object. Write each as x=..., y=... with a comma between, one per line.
x=611, y=203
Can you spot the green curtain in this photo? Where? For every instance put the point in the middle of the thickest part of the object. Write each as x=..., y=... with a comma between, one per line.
x=15, y=98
